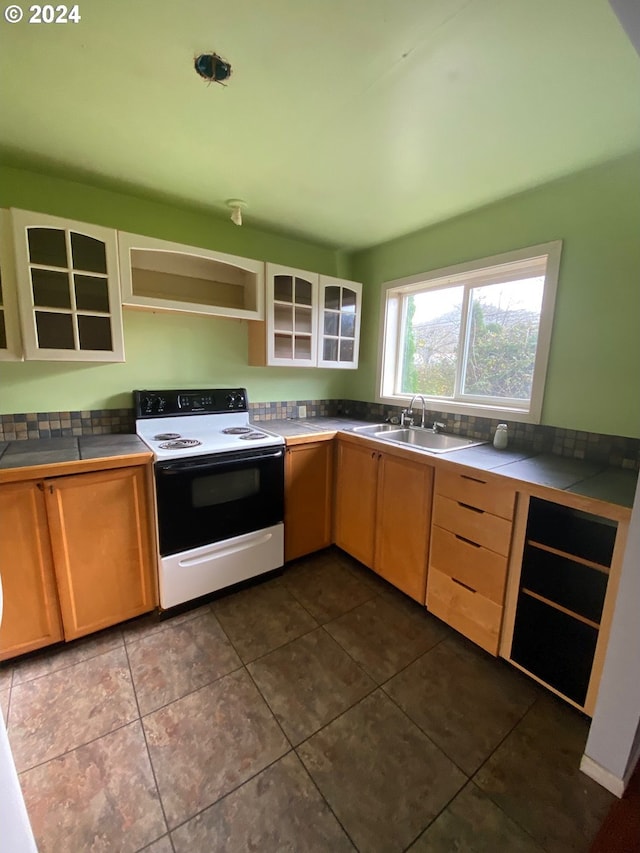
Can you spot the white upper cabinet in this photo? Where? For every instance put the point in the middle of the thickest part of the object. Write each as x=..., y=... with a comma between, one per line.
x=68, y=289
x=160, y=275
x=338, y=322
x=311, y=320
x=10, y=343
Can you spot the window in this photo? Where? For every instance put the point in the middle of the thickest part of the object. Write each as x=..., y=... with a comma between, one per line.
x=473, y=338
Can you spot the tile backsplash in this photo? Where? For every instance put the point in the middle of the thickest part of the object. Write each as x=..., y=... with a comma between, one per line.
x=617, y=451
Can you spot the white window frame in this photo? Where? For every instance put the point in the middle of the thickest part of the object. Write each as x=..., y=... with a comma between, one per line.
x=516, y=264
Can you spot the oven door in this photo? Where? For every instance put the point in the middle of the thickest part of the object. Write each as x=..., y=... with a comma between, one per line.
x=208, y=499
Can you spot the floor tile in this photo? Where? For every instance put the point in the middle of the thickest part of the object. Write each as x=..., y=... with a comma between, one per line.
x=51, y=660
x=4, y=703
x=473, y=824
x=151, y=623
x=6, y=675
x=326, y=588
x=100, y=796
x=383, y=638
x=534, y=777
x=278, y=810
x=261, y=618
x=58, y=712
x=465, y=700
x=162, y=845
x=382, y=777
x=169, y=664
x=204, y=745
x=308, y=682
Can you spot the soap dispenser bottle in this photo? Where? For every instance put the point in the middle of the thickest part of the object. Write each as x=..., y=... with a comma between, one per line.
x=501, y=437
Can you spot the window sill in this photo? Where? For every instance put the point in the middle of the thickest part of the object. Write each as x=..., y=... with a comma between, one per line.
x=469, y=409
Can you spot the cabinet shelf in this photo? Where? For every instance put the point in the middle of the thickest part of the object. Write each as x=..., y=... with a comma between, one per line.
x=160, y=275
x=571, y=531
x=554, y=646
x=559, y=607
x=598, y=567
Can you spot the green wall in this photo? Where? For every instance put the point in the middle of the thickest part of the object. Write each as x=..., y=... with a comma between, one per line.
x=593, y=378
x=162, y=350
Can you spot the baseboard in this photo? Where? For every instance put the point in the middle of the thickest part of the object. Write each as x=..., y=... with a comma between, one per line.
x=603, y=776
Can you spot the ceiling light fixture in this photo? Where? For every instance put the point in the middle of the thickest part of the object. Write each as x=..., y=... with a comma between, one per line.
x=237, y=206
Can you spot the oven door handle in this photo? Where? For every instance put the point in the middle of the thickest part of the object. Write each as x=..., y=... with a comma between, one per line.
x=185, y=467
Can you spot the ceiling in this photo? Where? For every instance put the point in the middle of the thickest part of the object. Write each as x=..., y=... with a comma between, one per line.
x=348, y=122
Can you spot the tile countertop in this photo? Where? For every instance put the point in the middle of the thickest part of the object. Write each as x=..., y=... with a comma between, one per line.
x=51, y=451
x=593, y=480
x=613, y=485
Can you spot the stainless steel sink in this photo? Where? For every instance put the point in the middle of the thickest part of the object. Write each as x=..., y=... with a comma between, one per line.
x=434, y=442
x=373, y=429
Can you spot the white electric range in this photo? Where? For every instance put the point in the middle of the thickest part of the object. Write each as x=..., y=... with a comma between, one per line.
x=219, y=490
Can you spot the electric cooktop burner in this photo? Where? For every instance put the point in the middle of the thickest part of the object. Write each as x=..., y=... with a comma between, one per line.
x=166, y=436
x=179, y=443
x=237, y=430
x=252, y=436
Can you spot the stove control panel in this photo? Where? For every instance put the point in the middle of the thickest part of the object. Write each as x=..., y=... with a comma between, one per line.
x=213, y=401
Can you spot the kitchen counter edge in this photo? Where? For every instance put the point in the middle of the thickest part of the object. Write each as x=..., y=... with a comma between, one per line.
x=542, y=474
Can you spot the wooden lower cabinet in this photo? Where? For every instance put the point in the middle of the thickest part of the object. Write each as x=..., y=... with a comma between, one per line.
x=355, y=501
x=100, y=535
x=308, y=499
x=75, y=556
x=31, y=617
x=471, y=538
x=383, y=514
x=403, y=520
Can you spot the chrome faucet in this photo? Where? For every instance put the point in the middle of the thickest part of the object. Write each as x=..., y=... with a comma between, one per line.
x=409, y=410
x=437, y=426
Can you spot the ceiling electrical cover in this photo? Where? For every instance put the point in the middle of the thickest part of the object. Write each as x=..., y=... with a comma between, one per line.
x=212, y=67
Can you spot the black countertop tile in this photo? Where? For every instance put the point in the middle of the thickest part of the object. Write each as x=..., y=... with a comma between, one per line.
x=557, y=472
x=50, y=451
x=99, y=446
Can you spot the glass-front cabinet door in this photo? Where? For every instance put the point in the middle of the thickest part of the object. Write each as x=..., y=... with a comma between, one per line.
x=338, y=322
x=10, y=345
x=291, y=316
x=68, y=287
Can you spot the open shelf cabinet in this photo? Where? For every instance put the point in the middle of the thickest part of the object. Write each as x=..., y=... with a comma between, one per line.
x=561, y=596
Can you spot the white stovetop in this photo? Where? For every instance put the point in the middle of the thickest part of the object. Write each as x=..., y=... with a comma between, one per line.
x=208, y=429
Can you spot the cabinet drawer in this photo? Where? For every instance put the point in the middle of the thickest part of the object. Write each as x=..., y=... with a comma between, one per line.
x=478, y=492
x=467, y=521
x=483, y=570
x=475, y=616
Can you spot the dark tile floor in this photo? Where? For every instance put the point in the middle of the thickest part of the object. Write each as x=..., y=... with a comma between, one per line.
x=320, y=710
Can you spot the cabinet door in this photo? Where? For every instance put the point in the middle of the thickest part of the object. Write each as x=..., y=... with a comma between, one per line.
x=308, y=498
x=100, y=536
x=355, y=503
x=31, y=617
x=10, y=344
x=403, y=524
x=338, y=322
x=291, y=310
x=68, y=287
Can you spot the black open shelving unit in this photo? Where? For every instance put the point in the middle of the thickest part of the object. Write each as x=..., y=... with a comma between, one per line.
x=565, y=571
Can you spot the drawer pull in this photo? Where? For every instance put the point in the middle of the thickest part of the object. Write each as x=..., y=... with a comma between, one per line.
x=465, y=585
x=468, y=506
x=468, y=541
x=473, y=479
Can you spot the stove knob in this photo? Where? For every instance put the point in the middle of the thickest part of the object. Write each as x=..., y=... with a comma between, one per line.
x=160, y=404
